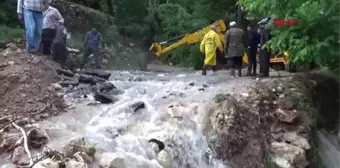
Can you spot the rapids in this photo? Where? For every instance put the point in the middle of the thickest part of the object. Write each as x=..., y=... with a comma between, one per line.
x=115, y=128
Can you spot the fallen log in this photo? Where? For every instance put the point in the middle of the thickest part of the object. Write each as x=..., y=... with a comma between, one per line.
x=104, y=98
x=65, y=72
x=90, y=79
x=68, y=83
x=97, y=72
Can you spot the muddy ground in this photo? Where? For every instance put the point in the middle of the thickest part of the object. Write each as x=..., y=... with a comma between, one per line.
x=25, y=85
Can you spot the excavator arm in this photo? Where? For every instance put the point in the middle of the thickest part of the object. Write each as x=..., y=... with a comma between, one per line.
x=193, y=38
x=169, y=45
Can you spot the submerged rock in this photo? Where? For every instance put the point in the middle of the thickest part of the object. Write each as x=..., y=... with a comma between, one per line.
x=78, y=145
x=284, y=153
x=104, y=98
x=47, y=163
x=137, y=106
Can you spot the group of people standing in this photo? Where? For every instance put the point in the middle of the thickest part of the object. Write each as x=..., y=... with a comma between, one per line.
x=234, y=47
x=46, y=34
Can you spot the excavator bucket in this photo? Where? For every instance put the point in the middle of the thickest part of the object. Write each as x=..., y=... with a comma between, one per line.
x=144, y=60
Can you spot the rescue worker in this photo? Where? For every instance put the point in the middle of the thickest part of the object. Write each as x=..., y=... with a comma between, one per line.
x=59, y=49
x=235, y=46
x=264, y=52
x=253, y=42
x=92, y=41
x=51, y=18
x=210, y=43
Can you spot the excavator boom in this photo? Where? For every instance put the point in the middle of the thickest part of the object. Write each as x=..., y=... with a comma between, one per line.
x=192, y=38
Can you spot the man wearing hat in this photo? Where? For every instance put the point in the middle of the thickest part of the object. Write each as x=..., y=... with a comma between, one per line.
x=234, y=47
x=211, y=41
x=264, y=52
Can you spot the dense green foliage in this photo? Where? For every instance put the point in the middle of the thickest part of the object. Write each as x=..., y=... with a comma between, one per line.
x=317, y=36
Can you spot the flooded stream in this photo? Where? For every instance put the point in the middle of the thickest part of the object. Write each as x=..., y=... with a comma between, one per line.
x=175, y=108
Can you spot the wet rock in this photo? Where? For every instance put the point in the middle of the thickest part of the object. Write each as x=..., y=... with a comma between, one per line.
x=74, y=164
x=265, y=92
x=65, y=72
x=104, y=98
x=221, y=115
x=286, y=153
x=105, y=86
x=47, y=163
x=164, y=159
x=286, y=116
x=90, y=79
x=294, y=139
x=83, y=157
x=68, y=83
x=17, y=154
x=37, y=137
x=97, y=72
x=111, y=160
x=159, y=144
x=78, y=145
x=287, y=103
x=137, y=106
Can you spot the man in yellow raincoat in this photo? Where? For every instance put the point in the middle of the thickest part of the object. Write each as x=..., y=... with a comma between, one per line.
x=211, y=41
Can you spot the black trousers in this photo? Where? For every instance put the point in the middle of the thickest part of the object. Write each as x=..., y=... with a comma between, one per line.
x=47, y=37
x=252, y=60
x=92, y=49
x=59, y=54
x=264, y=62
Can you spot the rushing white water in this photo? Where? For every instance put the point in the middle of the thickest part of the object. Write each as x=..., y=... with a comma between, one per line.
x=115, y=128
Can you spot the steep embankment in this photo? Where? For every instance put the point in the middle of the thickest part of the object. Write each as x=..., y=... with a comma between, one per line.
x=80, y=18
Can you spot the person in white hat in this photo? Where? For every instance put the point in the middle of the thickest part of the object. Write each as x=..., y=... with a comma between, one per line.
x=234, y=46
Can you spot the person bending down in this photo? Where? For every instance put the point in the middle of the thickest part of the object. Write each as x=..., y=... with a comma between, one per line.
x=59, y=49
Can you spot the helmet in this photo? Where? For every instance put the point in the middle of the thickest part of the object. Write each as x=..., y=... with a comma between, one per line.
x=264, y=21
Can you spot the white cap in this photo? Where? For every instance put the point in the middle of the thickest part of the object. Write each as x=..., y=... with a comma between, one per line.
x=233, y=23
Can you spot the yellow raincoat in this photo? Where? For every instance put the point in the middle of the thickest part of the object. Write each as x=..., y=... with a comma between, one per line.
x=211, y=41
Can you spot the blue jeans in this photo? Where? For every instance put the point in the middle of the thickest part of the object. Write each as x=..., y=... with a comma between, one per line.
x=33, y=24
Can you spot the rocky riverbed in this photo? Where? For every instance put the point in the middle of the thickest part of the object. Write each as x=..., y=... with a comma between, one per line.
x=128, y=119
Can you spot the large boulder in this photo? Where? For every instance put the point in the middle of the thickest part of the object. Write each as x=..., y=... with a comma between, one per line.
x=220, y=119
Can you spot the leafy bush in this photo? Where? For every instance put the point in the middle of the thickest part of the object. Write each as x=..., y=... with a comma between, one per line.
x=7, y=34
x=315, y=39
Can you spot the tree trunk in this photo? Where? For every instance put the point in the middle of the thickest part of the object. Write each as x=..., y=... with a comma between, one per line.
x=110, y=7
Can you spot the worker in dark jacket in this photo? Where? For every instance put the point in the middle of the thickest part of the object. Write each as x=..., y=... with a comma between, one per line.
x=59, y=49
x=92, y=41
x=235, y=46
x=253, y=42
x=264, y=52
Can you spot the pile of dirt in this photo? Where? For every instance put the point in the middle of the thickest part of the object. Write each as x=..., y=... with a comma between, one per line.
x=26, y=85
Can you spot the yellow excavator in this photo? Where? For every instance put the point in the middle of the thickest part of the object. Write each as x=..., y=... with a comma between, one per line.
x=196, y=37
